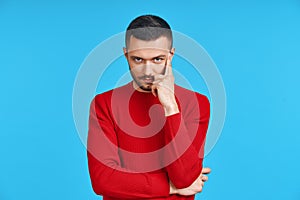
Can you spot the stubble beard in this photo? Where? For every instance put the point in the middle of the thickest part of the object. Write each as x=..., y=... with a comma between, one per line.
x=145, y=87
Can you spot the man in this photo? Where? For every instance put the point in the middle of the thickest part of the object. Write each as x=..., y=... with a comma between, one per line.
x=146, y=138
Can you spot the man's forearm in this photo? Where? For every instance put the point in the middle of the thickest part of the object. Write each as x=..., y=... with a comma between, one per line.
x=115, y=182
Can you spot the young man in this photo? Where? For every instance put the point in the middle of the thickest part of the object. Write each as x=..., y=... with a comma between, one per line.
x=146, y=138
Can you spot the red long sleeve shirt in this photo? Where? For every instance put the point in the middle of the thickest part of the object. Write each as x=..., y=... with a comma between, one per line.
x=134, y=150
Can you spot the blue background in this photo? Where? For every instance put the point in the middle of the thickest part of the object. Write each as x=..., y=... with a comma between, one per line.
x=255, y=45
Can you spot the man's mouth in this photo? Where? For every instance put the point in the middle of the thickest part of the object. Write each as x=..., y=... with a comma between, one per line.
x=147, y=79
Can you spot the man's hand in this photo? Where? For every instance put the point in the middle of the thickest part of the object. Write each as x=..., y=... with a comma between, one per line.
x=195, y=187
x=163, y=87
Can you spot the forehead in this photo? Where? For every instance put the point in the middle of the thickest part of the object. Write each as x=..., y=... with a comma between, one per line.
x=137, y=46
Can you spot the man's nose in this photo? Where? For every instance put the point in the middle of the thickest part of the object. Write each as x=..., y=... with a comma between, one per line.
x=148, y=68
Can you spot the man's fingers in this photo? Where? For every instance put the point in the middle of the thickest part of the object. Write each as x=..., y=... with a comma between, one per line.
x=154, y=90
x=204, y=178
x=206, y=170
x=168, y=71
x=158, y=78
x=168, y=66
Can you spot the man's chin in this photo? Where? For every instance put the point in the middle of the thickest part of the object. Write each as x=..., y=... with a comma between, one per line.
x=143, y=86
x=146, y=87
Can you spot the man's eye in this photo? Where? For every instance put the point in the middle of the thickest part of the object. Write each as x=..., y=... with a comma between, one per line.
x=138, y=60
x=158, y=60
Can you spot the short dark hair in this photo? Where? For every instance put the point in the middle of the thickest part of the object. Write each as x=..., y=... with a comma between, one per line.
x=148, y=27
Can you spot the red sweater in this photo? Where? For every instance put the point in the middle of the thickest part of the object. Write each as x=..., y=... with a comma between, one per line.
x=123, y=131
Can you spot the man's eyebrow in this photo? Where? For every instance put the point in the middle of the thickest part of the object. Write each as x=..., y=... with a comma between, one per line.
x=159, y=56
x=134, y=57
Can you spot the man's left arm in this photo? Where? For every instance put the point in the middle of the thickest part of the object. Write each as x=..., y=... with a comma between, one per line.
x=189, y=135
x=187, y=166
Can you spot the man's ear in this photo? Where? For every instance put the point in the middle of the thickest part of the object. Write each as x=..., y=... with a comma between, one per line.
x=125, y=53
x=172, y=52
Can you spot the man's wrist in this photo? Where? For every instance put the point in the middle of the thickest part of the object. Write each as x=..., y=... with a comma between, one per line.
x=171, y=109
x=173, y=189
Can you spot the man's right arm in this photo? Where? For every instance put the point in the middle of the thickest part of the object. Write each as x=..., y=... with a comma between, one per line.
x=107, y=176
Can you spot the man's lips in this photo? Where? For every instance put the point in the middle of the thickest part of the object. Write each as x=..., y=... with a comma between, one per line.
x=147, y=80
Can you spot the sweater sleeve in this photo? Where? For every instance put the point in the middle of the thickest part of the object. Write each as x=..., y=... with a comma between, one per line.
x=108, y=178
x=189, y=134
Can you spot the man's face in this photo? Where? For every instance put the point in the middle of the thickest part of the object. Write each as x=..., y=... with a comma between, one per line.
x=147, y=59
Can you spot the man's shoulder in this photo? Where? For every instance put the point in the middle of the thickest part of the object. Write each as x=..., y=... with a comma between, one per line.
x=191, y=101
x=104, y=96
x=187, y=93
